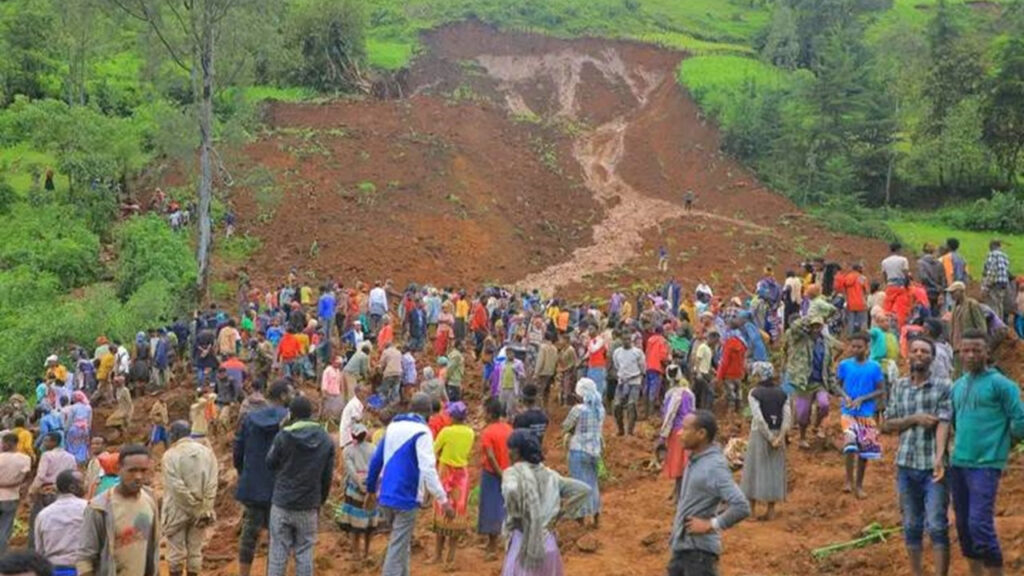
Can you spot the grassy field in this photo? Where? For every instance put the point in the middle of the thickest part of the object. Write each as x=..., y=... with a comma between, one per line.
x=18, y=162
x=713, y=80
x=973, y=245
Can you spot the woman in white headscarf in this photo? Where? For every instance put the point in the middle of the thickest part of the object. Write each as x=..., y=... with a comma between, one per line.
x=582, y=428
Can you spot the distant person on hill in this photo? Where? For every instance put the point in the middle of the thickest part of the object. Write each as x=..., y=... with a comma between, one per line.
x=662, y=259
x=896, y=273
x=932, y=275
x=995, y=281
x=953, y=264
x=688, y=199
x=988, y=419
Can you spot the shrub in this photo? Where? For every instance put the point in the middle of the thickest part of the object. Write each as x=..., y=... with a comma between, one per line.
x=1003, y=212
x=49, y=239
x=148, y=250
x=7, y=197
x=328, y=41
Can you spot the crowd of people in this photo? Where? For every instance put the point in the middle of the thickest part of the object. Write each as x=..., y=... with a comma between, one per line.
x=383, y=387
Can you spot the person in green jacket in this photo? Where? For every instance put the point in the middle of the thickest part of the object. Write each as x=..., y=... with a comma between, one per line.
x=988, y=418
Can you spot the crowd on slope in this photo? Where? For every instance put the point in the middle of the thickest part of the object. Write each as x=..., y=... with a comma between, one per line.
x=398, y=370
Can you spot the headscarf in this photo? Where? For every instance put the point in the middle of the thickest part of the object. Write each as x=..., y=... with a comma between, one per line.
x=587, y=390
x=527, y=444
x=761, y=371
x=457, y=410
x=80, y=397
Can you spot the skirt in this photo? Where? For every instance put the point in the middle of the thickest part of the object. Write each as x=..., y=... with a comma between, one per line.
x=860, y=437
x=675, y=457
x=456, y=484
x=351, y=515
x=77, y=441
x=583, y=467
x=552, y=565
x=764, y=470
x=492, y=505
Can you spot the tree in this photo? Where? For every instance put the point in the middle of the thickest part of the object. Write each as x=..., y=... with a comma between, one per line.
x=189, y=31
x=782, y=46
x=28, y=59
x=328, y=40
x=1004, y=109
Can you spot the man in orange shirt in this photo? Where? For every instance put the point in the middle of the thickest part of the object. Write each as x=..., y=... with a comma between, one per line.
x=657, y=356
x=288, y=353
x=854, y=287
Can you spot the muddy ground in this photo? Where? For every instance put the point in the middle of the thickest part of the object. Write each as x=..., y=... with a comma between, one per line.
x=560, y=165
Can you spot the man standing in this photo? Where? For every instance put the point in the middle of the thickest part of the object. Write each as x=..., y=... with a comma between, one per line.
x=703, y=376
x=352, y=414
x=919, y=410
x=403, y=464
x=327, y=310
x=457, y=371
x=732, y=368
x=967, y=315
x=58, y=526
x=696, y=541
x=630, y=365
x=987, y=419
x=656, y=356
x=378, y=306
x=14, y=470
x=896, y=273
x=190, y=488
x=42, y=492
x=356, y=370
x=861, y=384
x=391, y=373
x=597, y=360
x=302, y=455
x=809, y=369
x=129, y=514
x=255, y=487
x=544, y=368
x=854, y=287
x=995, y=281
x=932, y=276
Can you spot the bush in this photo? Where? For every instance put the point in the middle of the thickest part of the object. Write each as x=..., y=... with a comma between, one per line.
x=327, y=39
x=846, y=215
x=148, y=250
x=50, y=239
x=1003, y=212
x=7, y=197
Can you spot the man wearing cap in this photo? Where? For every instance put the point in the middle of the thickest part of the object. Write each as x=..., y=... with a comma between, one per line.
x=995, y=280
x=809, y=367
x=967, y=314
x=402, y=468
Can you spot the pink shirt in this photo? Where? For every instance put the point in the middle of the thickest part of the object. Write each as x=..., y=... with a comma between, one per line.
x=330, y=384
x=52, y=463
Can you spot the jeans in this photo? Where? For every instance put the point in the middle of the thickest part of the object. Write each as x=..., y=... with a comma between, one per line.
x=692, y=563
x=974, y=502
x=703, y=392
x=856, y=321
x=292, y=531
x=255, y=518
x=390, y=388
x=454, y=393
x=600, y=378
x=652, y=386
x=396, y=560
x=925, y=504
x=8, y=510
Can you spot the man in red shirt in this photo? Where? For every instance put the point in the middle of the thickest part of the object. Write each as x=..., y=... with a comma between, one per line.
x=478, y=325
x=854, y=287
x=732, y=367
x=657, y=356
x=288, y=352
x=597, y=360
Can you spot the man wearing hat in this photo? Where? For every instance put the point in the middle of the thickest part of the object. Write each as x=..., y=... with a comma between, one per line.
x=809, y=367
x=967, y=314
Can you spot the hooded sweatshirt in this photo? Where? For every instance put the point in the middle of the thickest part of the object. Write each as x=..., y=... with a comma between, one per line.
x=252, y=442
x=404, y=466
x=303, y=457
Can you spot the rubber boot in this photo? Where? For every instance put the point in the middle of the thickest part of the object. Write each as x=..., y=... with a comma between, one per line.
x=916, y=556
x=630, y=418
x=618, y=419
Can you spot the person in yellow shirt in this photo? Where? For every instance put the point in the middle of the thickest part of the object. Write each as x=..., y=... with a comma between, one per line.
x=306, y=296
x=454, y=445
x=106, y=364
x=24, y=438
x=55, y=370
x=461, y=316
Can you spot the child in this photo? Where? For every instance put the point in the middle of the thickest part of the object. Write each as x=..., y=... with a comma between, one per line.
x=453, y=446
x=158, y=414
x=862, y=383
x=352, y=515
x=764, y=467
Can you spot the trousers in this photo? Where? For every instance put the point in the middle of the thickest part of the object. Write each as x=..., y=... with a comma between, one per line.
x=292, y=532
x=396, y=560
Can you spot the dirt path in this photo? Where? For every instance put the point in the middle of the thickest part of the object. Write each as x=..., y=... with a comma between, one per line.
x=619, y=236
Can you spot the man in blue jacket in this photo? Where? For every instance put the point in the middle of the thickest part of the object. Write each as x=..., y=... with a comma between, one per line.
x=402, y=465
x=255, y=480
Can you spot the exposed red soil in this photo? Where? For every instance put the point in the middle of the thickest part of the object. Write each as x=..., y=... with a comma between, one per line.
x=634, y=139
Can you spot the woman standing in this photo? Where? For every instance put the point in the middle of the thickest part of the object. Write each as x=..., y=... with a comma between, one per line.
x=679, y=401
x=583, y=430
x=494, y=461
x=79, y=427
x=453, y=445
x=535, y=498
x=764, y=468
x=352, y=515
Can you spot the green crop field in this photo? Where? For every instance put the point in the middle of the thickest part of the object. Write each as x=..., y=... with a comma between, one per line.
x=973, y=245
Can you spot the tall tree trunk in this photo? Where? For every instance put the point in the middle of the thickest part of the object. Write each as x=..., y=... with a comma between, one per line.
x=205, y=153
x=888, y=179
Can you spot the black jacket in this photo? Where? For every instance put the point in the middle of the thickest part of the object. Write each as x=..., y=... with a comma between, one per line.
x=303, y=458
x=252, y=442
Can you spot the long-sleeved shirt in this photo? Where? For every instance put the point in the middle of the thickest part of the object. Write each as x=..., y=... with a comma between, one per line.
x=657, y=354
x=547, y=359
x=52, y=463
x=404, y=467
x=987, y=417
x=330, y=382
x=996, y=270
x=190, y=484
x=733, y=364
x=57, y=530
x=629, y=364
x=707, y=484
x=456, y=368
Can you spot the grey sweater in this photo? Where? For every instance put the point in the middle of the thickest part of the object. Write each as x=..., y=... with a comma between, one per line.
x=707, y=484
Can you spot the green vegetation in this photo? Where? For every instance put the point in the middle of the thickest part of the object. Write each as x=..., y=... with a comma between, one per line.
x=916, y=229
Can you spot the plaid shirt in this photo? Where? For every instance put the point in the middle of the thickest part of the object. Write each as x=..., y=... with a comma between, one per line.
x=586, y=422
x=917, y=444
x=997, y=269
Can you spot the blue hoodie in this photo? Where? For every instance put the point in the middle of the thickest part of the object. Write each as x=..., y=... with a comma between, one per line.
x=252, y=442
